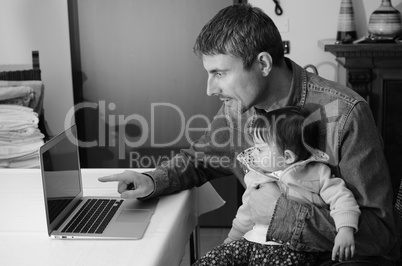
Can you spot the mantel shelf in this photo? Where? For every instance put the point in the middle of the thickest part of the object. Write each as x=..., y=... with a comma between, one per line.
x=362, y=49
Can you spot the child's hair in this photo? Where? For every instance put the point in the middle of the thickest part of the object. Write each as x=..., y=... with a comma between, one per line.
x=285, y=129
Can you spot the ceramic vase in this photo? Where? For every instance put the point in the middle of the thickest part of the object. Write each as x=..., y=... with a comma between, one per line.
x=385, y=21
x=346, y=23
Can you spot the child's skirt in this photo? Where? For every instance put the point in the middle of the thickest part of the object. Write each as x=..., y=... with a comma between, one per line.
x=243, y=252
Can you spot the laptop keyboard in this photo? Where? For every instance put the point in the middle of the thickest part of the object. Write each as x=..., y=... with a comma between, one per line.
x=93, y=217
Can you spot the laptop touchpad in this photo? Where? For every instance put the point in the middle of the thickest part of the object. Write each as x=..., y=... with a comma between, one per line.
x=136, y=216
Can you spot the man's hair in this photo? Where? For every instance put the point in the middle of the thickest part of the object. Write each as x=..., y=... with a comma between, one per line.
x=242, y=31
x=285, y=129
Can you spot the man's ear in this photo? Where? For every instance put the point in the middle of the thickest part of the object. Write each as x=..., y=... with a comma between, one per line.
x=290, y=157
x=265, y=63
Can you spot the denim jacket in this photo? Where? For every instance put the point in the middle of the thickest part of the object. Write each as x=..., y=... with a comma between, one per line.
x=349, y=136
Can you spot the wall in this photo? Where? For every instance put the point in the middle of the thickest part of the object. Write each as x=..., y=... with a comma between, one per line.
x=131, y=66
x=313, y=20
x=42, y=25
x=138, y=66
x=27, y=25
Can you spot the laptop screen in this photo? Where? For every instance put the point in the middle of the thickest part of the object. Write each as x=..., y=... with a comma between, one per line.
x=61, y=176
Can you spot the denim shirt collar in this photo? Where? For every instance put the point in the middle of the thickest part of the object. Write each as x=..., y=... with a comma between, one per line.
x=298, y=90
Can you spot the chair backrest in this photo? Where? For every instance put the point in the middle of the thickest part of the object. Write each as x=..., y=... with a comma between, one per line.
x=20, y=75
x=29, y=74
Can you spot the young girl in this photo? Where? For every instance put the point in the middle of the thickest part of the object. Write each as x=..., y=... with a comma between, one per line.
x=283, y=155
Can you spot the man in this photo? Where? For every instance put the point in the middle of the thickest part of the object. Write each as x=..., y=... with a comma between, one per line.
x=242, y=52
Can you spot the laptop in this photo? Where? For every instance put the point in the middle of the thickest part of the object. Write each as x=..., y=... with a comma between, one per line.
x=69, y=215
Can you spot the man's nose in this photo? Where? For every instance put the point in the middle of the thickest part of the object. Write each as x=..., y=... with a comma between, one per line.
x=212, y=88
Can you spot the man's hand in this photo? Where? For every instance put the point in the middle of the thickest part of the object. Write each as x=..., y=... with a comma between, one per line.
x=344, y=247
x=131, y=184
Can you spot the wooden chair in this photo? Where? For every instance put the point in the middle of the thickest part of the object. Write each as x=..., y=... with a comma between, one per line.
x=33, y=74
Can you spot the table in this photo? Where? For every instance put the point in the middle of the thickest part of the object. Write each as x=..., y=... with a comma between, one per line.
x=24, y=239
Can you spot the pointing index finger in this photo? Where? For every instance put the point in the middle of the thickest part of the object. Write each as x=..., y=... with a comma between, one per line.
x=110, y=178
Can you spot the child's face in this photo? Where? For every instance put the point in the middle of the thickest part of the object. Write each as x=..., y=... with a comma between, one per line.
x=266, y=157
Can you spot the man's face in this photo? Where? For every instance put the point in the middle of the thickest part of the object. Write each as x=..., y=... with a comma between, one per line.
x=238, y=88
